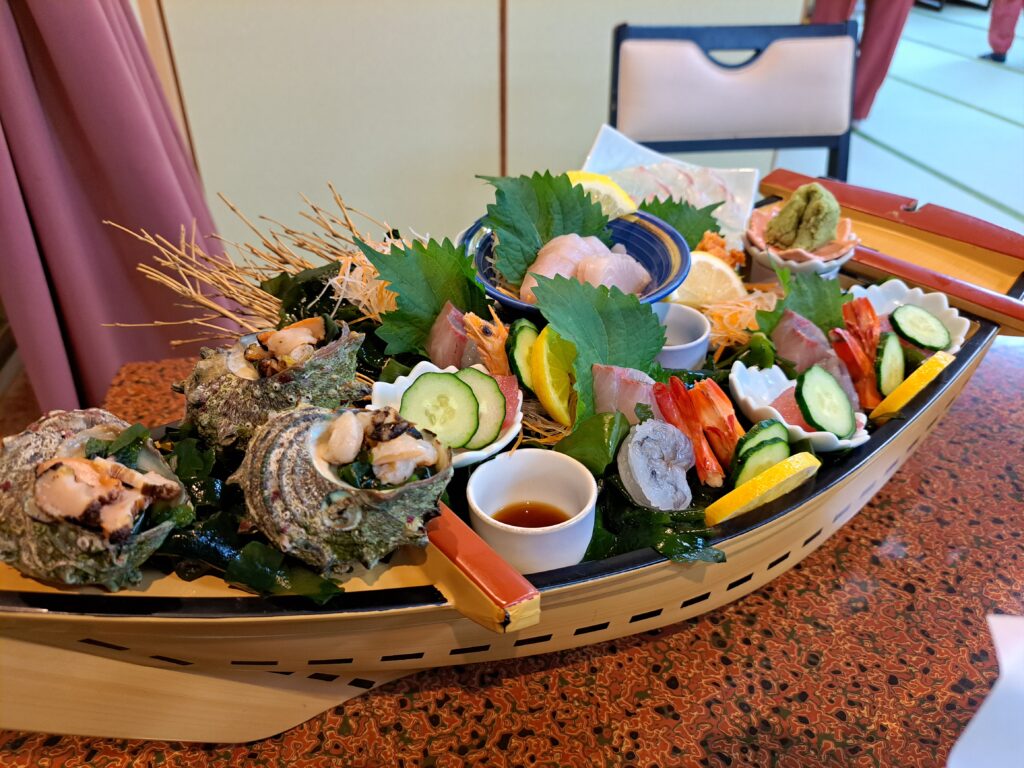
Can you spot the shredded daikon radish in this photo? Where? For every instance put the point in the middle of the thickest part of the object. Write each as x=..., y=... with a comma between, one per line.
x=732, y=322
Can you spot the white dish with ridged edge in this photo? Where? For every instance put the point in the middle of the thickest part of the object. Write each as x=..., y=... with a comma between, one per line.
x=755, y=390
x=887, y=296
x=385, y=394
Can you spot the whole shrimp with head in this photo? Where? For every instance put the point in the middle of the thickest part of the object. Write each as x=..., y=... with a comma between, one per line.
x=588, y=260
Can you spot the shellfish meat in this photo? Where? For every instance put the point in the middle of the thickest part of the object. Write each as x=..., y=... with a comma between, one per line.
x=68, y=518
x=341, y=489
x=233, y=389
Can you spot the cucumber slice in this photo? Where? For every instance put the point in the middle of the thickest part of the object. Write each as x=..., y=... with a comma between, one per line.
x=762, y=456
x=444, y=404
x=823, y=403
x=890, y=365
x=490, y=406
x=920, y=327
x=769, y=429
x=520, y=341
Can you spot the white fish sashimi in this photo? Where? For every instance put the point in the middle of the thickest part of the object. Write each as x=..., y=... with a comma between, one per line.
x=616, y=269
x=622, y=389
x=588, y=260
x=559, y=256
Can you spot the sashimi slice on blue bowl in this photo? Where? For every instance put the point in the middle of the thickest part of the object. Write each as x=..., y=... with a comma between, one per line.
x=655, y=245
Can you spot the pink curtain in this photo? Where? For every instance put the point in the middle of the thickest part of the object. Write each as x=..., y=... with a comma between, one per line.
x=85, y=135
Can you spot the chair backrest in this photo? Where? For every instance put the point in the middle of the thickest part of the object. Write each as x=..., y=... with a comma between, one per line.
x=795, y=91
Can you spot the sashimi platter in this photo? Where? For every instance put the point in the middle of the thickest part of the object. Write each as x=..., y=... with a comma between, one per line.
x=579, y=419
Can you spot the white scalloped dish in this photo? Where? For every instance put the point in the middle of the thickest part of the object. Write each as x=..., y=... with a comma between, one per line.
x=385, y=394
x=894, y=293
x=754, y=390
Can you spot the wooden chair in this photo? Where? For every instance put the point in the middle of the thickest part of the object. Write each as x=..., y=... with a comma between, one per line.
x=670, y=94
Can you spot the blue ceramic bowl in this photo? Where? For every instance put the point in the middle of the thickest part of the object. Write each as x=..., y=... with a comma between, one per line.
x=657, y=246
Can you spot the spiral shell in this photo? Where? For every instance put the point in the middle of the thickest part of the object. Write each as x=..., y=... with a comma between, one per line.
x=226, y=405
x=58, y=551
x=298, y=503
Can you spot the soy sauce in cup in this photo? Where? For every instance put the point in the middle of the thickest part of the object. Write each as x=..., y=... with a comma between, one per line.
x=530, y=514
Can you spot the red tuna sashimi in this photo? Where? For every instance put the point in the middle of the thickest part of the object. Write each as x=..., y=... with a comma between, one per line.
x=621, y=389
x=787, y=407
x=509, y=386
x=446, y=342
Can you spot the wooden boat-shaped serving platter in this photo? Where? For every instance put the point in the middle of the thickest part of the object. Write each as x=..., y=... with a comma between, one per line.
x=164, y=660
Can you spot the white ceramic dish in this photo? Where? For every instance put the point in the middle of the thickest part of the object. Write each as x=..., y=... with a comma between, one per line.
x=769, y=262
x=894, y=293
x=531, y=474
x=754, y=390
x=686, y=336
x=385, y=394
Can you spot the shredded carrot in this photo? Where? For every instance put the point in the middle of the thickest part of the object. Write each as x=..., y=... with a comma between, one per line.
x=732, y=322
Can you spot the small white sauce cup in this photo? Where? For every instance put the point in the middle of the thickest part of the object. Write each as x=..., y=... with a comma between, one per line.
x=531, y=474
x=686, y=336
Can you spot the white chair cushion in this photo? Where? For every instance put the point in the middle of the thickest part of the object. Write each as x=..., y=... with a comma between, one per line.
x=669, y=90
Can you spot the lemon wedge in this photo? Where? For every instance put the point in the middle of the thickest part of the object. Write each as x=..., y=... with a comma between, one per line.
x=912, y=385
x=614, y=200
x=774, y=482
x=551, y=359
x=710, y=281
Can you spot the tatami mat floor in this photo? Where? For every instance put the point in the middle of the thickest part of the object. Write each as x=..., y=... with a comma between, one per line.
x=946, y=127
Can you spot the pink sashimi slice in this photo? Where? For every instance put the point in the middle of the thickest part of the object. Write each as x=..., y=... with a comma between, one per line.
x=509, y=386
x=446, y=342
x=622, y=389
x=616, y=269
x=804, y=344
x=790, y=412
x=559, y=256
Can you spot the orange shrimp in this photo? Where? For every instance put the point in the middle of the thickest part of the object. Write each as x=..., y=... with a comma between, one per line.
x=717, y=418
x=490, y=338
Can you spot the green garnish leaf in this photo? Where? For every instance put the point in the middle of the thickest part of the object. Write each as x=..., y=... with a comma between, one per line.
x=528, y=211
x=303, y=294
x=392, y=370
x=818, y=299
x=606, y=326
x=180, y=514
x=124, y=449
x=424, y=276
x=621, y=526
x=189, y=461
x=689, y=221
x=643, y=412
x=596, y=440
x=265, y=569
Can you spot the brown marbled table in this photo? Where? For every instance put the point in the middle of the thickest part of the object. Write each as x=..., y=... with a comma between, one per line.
x=874, y=651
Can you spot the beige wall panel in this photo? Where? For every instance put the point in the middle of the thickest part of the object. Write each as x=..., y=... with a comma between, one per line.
x=559, y=67
x=395, y=101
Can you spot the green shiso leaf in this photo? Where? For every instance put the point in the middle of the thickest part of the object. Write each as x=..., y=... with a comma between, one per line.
x=424, y=276
x=528, y=211
x=607, y=327
x=690, y=222
x=818, y=299
x=595, y=441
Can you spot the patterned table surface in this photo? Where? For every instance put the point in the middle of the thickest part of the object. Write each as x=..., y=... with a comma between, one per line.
x=872, y=652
